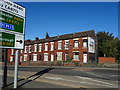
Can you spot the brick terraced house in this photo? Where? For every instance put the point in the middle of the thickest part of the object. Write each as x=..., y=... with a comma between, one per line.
x=79, y=46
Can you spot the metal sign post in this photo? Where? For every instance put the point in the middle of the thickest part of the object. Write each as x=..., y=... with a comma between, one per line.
x=5, y=68
x=16, y=69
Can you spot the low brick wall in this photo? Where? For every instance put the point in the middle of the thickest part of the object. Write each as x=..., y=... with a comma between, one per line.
x=41, y=63
x=69, y=64
x=106, y=60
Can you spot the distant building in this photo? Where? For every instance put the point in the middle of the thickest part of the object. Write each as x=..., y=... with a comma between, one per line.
x=79, y=46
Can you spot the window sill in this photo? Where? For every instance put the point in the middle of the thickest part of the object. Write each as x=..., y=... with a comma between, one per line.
x=75, y=47
x=59, y=49
x=75, y=60
x=84, y=47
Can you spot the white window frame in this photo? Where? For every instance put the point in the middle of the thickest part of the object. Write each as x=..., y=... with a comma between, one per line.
x=40, y=47
x=52, y=46
x=76, y=44
x=34, y=55
x=35, y=48
x=66, y=56
x=21, y=51
x=76, y=57
x=46, y=46
x=84, y=44
x=11, y=58
x=25, y=50
x=25, y=57
x=12, y=51
x=30, y=48
x=66, y=43
x=59, y=45
x=45, y=56
x=20, y=58
x=59, y=56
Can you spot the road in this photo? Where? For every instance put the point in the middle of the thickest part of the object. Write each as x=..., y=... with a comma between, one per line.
x=76, y=77
x=24, y=83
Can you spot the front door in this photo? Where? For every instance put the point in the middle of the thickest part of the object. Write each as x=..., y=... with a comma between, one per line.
x=52, y=57
x=85, y=58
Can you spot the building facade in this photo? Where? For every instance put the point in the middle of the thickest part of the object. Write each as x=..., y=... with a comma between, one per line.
x=80, y=47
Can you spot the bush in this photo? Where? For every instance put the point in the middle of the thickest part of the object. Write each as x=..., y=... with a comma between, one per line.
x=69, y=60
x=76, y=63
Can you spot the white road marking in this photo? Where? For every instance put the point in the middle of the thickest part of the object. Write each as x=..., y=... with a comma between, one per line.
x=96, y=75
x=96, y=80
x=115, y=75
x=57, y=78
x=54, y=78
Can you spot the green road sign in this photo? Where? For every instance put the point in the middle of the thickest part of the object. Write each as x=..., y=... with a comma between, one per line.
x=12, y=23
x=7, y=40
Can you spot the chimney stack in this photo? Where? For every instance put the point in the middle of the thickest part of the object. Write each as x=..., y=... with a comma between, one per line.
x=36, y=38
x=47, y=35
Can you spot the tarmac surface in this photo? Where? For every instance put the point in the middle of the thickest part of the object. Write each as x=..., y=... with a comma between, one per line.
x=65, y=77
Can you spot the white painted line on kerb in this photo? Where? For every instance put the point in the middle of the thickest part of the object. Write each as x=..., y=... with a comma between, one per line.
x=57, y=78
x=96, y=80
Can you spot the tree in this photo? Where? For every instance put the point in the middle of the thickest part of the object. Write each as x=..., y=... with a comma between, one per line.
x=108, y=45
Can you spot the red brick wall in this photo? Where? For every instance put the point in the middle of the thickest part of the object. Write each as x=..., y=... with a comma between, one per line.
x=106, y=60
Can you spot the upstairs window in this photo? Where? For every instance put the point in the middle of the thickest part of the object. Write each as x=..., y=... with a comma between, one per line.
x=52, y=46
x=46, y=46
x=35, y=48
x=40, y=47
x=76, y=43
x=85, y=43
x=59, y=45
x=30, y=49
x=25, y=50
x=66, y=44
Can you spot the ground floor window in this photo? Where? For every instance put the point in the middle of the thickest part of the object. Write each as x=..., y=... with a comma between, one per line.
x=34, y=57
x=25, y=58
x=11, y=59
x=45, y=56
x=40, y=57
x=75, y=56
x=20, y=58
x=59, y=56
x=66, y=56
x=30, y=58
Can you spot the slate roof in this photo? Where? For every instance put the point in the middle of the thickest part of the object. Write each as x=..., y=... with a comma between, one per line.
x=62, y=37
